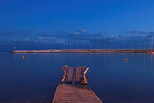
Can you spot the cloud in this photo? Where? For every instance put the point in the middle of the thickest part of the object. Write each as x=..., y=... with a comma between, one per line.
x=23, y=40
x=50, y=40
x=64, y=32
x=51, y=34
x=140, y=32
x=76, y=38
x=18, y=33
x=76, y=33
x=65, y=37
x=9, y=33
x=82, y=31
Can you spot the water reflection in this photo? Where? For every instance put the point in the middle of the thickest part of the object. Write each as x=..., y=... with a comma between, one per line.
x=35, y=78
x=151, y=62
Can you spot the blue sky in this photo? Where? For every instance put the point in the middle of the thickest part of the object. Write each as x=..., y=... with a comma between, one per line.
x=45, y=22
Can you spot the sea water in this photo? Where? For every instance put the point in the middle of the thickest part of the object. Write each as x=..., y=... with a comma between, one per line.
x=33, y=79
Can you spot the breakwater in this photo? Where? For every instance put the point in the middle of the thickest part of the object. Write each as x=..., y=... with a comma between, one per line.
x=85, y=51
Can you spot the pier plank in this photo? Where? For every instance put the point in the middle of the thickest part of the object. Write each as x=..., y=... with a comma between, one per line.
x=73, y=91
x=66, y=93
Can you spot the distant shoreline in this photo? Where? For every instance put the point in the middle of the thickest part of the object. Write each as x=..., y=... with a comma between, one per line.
x=84, y=51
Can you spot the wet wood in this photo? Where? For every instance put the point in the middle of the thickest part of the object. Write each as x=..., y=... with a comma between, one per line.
x=74, y=89
x=74, y=75
x=66, y=93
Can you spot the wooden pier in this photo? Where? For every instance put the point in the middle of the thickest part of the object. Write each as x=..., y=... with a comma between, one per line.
x=66, y=93
x=73, y=88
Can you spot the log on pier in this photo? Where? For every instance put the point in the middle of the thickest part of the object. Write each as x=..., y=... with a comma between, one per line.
x=74, y=75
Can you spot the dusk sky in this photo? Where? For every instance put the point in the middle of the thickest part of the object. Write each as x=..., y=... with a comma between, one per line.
x=44, y=23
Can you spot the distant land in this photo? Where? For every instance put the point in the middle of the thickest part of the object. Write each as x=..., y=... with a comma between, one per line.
x=85, y=51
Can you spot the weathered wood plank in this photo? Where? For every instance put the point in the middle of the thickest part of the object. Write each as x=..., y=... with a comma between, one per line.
x=66, y=93
x=74, y=75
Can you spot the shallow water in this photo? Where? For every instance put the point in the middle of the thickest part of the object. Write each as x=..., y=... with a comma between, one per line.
x=34, y=78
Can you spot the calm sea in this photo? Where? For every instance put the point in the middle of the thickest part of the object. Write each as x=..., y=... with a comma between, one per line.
x=34, y=78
